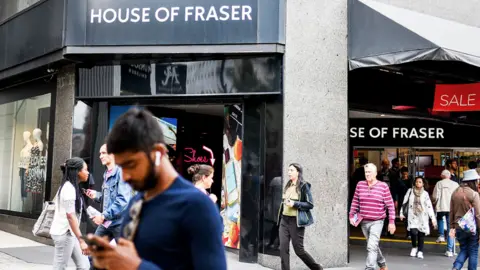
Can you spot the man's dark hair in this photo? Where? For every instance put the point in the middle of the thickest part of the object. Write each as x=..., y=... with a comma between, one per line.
x=472, y=165
x=395, y=160
x=363, y=161
x=404, y=169
x=449, y=163
x=136, y=130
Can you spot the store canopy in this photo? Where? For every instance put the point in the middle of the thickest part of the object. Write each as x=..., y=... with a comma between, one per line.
x=381, y=34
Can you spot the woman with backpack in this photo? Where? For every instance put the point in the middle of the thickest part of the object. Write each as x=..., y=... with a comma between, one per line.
x=463, y=200
x=419, y=209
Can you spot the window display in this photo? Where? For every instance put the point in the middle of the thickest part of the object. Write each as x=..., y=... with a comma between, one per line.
x=24, y=126
x=231, y=177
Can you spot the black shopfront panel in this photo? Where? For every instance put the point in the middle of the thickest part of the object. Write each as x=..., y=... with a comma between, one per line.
x=399, y=132
x=252, y=75
x=181, y=22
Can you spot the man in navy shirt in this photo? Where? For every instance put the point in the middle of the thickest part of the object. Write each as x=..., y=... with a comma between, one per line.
x=169, y=224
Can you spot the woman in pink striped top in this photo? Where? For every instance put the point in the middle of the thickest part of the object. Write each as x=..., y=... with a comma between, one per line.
x=370, y=200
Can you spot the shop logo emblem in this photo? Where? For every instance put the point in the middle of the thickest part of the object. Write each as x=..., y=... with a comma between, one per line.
x=170, y=73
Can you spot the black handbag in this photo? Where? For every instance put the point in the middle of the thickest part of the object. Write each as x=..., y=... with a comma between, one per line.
x=405, y=206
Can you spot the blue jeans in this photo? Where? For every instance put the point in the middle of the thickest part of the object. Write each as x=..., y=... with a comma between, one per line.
x=113, y=232
x=441, y=228
x=468, y=250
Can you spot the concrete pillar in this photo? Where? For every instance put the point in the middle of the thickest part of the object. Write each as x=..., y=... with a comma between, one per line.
x=64, y=105
x=316, y=122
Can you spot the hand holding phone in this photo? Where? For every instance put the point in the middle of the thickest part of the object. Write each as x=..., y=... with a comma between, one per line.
x=90, y=193
x=93, y=243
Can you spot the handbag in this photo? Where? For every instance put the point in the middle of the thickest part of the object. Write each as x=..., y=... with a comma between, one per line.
x=405, y=206
x=468, y=222
x=44, y=222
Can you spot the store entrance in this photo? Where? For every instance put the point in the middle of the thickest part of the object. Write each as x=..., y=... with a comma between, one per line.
x=211, y=135
x=412, y=162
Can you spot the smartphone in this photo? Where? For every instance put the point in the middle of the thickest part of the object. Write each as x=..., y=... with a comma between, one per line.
x=84, y=191
x=92, y=243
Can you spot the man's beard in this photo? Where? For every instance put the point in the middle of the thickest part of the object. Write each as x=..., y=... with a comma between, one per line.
x=149, y=182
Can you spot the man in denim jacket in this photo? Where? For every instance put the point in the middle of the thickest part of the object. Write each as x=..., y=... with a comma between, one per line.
x=116, y=195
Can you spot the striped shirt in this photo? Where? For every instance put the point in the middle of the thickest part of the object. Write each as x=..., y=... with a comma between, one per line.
x=371, y=202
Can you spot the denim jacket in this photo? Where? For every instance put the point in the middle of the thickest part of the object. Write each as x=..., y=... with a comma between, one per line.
x=303, y=205
x=116, y=195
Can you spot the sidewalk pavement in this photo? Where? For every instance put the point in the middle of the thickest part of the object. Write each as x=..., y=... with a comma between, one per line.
x=20, y=253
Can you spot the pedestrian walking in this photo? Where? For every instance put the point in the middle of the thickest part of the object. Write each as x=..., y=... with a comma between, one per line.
x=419, y=209
x=441, y=197
x=169, y=224
x=116, y=195
x=65, y=229
x=370, y=201
x=463, y=200
x=294, y=216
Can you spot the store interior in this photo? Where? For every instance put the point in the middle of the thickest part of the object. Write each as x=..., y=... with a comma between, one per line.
x=427, y=162
x=205, y=134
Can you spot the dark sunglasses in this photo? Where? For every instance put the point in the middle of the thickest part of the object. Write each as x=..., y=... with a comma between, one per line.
x=131, y=228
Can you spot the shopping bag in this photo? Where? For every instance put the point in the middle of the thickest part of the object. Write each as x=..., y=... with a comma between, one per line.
x=44, y=222
x=468, y=222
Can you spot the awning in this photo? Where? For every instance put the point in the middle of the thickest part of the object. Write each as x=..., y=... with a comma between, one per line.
x=381, y=34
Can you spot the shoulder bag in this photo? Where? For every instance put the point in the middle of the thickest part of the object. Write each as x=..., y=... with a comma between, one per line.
x=468, y=222
x=405, y=206
x=44, y=222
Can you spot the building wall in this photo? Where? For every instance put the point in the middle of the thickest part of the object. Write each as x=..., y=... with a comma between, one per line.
x=466, y=12
x=8, y=8
x=316, y=122
x=62, y=144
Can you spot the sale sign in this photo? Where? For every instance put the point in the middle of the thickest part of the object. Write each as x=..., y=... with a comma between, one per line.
x=457, y=97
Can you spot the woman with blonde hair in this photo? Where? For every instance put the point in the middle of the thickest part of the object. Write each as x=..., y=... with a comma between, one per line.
x=203, y=178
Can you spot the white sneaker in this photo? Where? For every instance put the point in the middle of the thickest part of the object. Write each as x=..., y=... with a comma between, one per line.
x=413, y=253
x=441, y=239
x=449, y=254
x=420, y=255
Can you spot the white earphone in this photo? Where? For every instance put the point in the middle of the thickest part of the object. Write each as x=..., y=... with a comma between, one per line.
x=157, y=158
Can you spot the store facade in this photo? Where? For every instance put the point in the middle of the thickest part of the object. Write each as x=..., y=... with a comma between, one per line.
x=268, y=58
x=282, y=63
x=184, y=61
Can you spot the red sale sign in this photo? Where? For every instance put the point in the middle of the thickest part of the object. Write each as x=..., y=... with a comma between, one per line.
x=457, y=97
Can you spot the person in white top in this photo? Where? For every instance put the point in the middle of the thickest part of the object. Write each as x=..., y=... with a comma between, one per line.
x=442, y=194
x=420, y=209
x=65, y=230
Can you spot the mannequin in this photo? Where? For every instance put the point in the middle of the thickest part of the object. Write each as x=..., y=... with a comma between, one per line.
x=37, y=136
x=36, y=167
x=24, y=161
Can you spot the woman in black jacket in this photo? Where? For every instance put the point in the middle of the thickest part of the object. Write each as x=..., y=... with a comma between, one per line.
x=294, y=216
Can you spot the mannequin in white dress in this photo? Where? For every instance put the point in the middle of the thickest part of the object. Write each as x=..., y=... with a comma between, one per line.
x=24, y=161
x=37, y=136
